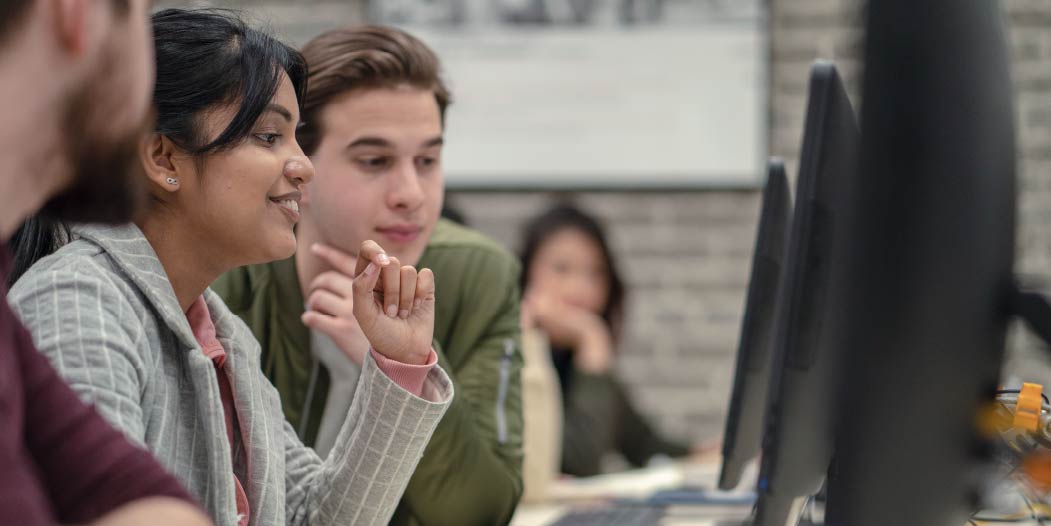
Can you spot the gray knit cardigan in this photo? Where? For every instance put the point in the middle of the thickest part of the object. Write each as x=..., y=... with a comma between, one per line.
x=104, y=312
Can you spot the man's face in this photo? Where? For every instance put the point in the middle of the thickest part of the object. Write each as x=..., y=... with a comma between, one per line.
x=379, y=171
x=104, y=119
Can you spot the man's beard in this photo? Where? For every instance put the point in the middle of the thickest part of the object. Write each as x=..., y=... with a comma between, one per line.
x=108, y=184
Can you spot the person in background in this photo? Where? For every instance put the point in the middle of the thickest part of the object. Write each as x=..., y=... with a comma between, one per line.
x=574, y=300
x=374, y=128
x=76, y=79
x=162, y=358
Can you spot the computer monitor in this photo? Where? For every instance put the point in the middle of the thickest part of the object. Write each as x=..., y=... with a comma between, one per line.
x=928, y=263
x=748, y=398
x=799, y=435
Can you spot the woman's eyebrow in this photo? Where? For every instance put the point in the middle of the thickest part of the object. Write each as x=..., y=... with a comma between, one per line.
x=280, y=110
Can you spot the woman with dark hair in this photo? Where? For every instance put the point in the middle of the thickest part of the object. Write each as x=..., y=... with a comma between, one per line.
x=574, y=296
x=125, y=315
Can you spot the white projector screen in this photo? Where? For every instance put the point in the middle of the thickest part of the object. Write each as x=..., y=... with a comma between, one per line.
x=604, y=108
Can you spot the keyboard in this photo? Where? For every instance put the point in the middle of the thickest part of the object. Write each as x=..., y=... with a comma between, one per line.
x=614, y=516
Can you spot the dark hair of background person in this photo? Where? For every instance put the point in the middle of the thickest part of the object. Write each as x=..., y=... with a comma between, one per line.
x=352, y=58
x=205, y=58
x=566, y=216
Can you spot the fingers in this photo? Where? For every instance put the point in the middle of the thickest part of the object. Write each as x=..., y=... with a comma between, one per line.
x=328, y=325
x=336, y=282
x=370, y=252
x=328, y=303
x=400, y=288
x=424, y=288
x=408, y=291
x=390, y=277
x=341, y=261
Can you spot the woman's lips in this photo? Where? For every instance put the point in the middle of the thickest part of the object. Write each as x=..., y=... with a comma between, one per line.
x=289, y=206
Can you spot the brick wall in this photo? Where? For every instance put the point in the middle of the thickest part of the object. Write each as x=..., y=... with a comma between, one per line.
x=686, y=254
x=1030, y=24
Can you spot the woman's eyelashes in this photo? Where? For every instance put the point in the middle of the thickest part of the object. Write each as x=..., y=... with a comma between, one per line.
x=268, y=138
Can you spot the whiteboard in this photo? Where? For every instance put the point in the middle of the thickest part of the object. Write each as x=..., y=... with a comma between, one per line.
x=604, y=108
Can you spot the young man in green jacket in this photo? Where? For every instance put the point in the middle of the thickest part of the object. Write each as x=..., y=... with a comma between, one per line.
x=373, y=121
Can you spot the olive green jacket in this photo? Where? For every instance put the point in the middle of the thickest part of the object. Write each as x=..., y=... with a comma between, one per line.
x=471, y=472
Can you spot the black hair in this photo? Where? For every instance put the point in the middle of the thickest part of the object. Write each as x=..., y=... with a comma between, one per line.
x=566, y=216
x=37, y=237
x=208, y=58
x=205, y=59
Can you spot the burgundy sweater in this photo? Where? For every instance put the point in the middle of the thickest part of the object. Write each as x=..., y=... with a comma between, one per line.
x=59, y=460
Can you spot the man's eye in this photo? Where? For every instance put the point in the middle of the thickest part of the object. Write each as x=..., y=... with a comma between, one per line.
x=373, y=162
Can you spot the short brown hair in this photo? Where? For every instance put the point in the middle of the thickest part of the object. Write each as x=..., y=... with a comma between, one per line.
x=351, y=58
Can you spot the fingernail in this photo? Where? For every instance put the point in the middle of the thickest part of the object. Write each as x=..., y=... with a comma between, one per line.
x=392, y=310
x=371, y=269
x=316, y=248
x=416, y=303
x=403, y=313
x=383, y=258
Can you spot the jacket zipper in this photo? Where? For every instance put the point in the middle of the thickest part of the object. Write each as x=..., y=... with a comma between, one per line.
x=501, y=393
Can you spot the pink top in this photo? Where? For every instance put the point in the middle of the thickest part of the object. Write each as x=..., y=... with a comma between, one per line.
x=408, y=377
x=204, y=332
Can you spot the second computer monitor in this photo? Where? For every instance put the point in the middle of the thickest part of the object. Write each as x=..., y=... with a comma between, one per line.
x=744, y=419
x=799, y=436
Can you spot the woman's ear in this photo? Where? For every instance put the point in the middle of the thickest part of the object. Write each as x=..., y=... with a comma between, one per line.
x=156, y=152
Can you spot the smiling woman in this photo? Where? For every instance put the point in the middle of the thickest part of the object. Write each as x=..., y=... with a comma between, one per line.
x=161, y=357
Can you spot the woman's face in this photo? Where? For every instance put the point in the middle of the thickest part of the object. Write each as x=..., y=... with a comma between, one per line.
x=244, y=201
x=569, y=266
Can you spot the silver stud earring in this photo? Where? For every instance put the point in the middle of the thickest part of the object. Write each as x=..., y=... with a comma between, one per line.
x=173, y=181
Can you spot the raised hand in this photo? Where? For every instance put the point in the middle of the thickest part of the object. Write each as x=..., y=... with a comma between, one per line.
x=574, y=328
x=393, y=304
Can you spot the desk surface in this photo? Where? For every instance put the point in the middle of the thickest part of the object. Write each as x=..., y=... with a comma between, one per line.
x=568, y=494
